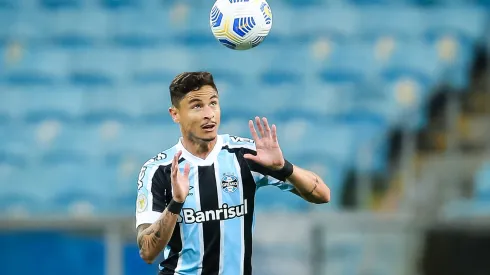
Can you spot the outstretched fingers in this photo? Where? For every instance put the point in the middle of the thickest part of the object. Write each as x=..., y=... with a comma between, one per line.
x=267, y=129
x=259, y=127
x=252, y=130
x=274, y=133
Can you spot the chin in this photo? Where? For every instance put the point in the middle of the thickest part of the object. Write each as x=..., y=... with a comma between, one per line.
x=209, y=137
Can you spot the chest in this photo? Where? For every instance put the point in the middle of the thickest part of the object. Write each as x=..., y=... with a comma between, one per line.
x=216, y=192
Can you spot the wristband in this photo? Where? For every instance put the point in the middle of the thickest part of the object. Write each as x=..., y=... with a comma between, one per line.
x=175, y=207
x=286, y=170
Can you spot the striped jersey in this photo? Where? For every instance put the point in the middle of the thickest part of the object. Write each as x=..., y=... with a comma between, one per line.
x=213, y=234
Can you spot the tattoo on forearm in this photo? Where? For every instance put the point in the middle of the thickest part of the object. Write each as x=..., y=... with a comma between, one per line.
x=151, y=237
x=314, y=188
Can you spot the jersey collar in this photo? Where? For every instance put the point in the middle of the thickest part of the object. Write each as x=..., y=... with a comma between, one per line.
x=199, y=161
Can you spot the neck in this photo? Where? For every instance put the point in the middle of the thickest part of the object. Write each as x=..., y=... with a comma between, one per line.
x=198, y=148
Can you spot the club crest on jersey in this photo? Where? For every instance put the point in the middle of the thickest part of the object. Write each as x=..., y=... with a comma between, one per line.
x=229, y=183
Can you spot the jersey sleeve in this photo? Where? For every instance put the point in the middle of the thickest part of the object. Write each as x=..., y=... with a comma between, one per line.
x=153, y=193
x=266, y=177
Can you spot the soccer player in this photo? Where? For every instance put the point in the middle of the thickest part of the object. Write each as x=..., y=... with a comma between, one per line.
x=196, y=200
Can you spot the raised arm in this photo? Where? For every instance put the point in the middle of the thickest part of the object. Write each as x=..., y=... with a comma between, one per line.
x=269, y=161
x=153, y=237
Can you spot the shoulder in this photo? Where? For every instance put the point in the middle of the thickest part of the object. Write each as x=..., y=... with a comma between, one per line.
x=150, y=167
x=236, y=142
x=161, y=159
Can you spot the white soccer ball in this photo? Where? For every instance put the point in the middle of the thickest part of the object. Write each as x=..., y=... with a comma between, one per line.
x=240, y=24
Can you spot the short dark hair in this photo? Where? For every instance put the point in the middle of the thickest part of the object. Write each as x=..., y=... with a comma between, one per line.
x=187, y=82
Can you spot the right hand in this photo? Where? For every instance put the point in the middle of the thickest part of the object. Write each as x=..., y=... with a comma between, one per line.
x=180, y=182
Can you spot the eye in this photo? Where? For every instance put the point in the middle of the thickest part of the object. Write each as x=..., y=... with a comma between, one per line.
x=197, y=106
x=214, y=103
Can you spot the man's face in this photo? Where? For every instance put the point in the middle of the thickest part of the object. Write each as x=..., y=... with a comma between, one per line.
x=199, y=114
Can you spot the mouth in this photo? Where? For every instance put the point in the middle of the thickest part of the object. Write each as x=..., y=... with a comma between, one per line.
x=208, y=127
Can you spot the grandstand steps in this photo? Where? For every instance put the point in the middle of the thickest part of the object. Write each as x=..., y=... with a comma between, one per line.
x=477, y=102
x=473, y=131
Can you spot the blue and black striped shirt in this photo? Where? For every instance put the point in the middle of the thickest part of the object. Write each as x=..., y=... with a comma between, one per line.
x=213, y=235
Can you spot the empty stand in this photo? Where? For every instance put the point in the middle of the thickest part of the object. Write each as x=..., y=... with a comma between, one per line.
x=84, y=87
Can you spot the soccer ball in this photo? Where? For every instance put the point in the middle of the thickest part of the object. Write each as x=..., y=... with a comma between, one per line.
x=240, y=24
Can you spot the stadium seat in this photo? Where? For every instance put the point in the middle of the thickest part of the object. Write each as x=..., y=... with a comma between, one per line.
x=160, y=65
x=273, y=199
x=328, y=137
x=103, y=66
x=64, y=29
x=118, y=4
x=405, y=23
x=33, y=66
x=129, y=28
x=45, y=103
x=61, y=4
x=468, y=20
x=423, y=61
x=119, y=104
x=340, y=23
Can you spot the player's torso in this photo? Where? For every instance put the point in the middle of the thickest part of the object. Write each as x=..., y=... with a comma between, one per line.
x=212, y=225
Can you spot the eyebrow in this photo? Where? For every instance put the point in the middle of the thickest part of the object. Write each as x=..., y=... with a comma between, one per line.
x=198, y=100
x=194, y=100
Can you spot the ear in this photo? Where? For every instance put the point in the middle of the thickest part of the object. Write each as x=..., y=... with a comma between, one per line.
x=174, y=113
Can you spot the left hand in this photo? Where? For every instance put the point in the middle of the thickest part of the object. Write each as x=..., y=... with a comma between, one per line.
x=269, y=153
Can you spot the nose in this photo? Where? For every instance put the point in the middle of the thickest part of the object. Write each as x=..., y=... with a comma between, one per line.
x=208, y=112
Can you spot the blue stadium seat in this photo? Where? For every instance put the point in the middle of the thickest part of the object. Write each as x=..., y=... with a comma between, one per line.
x=404, y=23
x=160, y=65
x=130, y=28
x=103, y=66
x=8, y=4
x=273, y=199
x=190, y=26
x=101, y=104
x=46, y=103
x=119, y=4
x=469, y=21
x=155, y=101
x=339, y=23
x=331, y=171
x=423, y=60
x=65, y=30
x=61, y=4
x=33, y=66
x=322, y=136
x=320, y=98
x=353, y=62
x=7, y=21
x=236, y=126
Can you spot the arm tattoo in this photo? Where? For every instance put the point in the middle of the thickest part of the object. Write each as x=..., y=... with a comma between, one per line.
x=156, y=236
x=314, y=188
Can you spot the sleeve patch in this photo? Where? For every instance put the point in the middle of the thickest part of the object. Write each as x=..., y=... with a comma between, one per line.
x=141, y=203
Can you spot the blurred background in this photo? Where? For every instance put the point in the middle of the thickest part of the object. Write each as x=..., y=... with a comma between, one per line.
x=388, y=100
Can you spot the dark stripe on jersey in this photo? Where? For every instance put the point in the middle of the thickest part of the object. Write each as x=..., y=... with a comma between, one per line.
x=175, y=243
x=162, y=194
x=249, y=188
x=208, y=193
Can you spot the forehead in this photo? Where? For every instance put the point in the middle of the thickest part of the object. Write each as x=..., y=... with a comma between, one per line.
x=205, y=92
